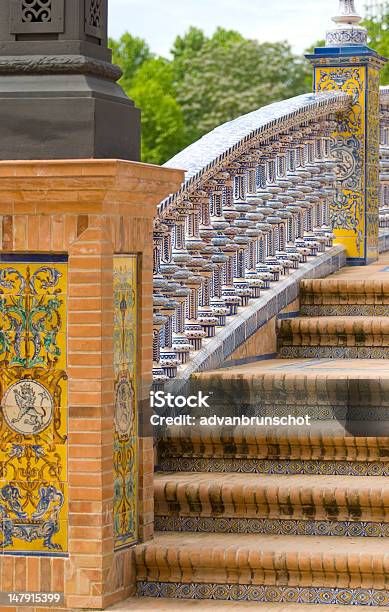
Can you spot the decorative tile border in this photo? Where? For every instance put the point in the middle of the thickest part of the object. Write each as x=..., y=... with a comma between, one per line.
x=261, y=593
x=350, y=310
x=297, y=527
x=334, y=352
x=271, y=466
x=125, y=463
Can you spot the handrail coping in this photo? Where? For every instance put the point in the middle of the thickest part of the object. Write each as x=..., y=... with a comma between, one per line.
x=224, y=141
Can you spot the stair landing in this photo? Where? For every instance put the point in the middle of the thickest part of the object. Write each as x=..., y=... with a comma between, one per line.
x=377, y=271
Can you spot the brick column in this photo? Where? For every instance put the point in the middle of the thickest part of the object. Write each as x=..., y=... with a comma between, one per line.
x=67, y=222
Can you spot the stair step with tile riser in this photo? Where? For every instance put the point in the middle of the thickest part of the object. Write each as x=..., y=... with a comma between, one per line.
x=324, y=389
x=260, y=567
x=330, y=337
x=345, y=297
x=268, y=504
x=322, y=448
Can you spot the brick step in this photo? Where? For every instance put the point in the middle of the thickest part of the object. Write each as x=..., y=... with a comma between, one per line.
x=322, y=448
x=341, y=296
x=265, y=568
x=324, y=389
x=337, y=337
x=137, y=604
x=301, y=498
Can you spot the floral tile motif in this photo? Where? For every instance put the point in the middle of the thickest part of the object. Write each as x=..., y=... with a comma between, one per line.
x=125, y=426
x=33, y=400
x=33, y=462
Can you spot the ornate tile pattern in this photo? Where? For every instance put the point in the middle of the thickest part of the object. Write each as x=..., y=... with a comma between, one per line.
x=356, y=148
x=334, y=352
x=271, y=526
x=348, y=148
x=274, y=466
x=372, y=161
x=269, y=593
x=125, y=441
x=350, y=310
x=33, y=416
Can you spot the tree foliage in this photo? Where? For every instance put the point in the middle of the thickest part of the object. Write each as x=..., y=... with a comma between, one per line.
x=378, y=35
x=129, y=52
x=210, y=80
x=153, y=91
x=230, y=76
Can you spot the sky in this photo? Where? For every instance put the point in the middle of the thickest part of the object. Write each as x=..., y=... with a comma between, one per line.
x=302, y=22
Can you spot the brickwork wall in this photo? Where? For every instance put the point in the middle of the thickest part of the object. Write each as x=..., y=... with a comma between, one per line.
x=90, y=210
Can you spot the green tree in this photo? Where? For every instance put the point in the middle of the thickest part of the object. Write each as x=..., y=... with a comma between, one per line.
x=129, y=52
x=378, y=37
x=229, y=76
x=153, y=91
x=208, y=81
x=185, y=47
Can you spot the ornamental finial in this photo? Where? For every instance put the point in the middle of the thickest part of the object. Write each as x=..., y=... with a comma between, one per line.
x=347, y=32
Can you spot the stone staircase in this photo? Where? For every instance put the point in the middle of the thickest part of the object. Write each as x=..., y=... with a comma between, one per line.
x=292, y=514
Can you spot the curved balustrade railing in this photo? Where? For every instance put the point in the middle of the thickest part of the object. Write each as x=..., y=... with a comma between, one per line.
x=254, y=205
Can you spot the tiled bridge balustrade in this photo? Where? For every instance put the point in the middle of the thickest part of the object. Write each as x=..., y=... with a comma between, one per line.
x=255, y=205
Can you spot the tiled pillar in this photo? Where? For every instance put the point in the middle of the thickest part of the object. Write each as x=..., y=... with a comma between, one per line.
x=84, y=228
x=355, y=145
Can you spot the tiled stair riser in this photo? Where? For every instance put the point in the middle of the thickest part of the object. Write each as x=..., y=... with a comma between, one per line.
x=242, y=592
x=276, y=466
x=271, y=505
x=272, y=526
x=350, y=310
x=325, y=447
x=282, y=394
x=336, y=352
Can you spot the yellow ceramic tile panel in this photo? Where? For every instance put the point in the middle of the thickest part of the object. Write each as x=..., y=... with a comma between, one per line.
x=125, y=441
x=33, y=399
x=43, y=462
x=348, y=209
